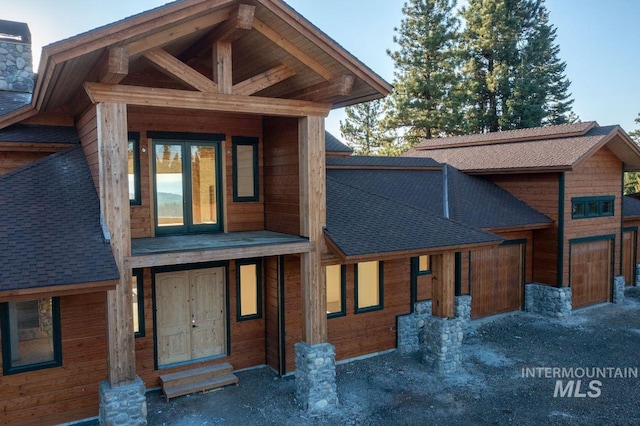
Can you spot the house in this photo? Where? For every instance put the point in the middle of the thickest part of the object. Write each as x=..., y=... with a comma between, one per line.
x=573, y=174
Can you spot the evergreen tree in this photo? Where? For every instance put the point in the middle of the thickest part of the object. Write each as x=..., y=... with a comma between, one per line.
x=632, y=179
x=513, y=75
x=364, y=133
x=425, y=103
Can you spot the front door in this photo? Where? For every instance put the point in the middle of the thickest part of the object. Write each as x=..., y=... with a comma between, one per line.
x=190, y=316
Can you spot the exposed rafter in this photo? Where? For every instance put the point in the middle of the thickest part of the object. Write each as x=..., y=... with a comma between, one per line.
x=179, y=70
x=327, y=91
x=240, y=21
x=113, y=66
x=263, y=80
x=184, y=99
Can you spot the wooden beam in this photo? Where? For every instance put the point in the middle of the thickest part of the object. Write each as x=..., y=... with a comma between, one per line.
x=57, y=291
x=175, y=68
x=290, y=48
x=164, y=37
x=114, y=65
x=114, y=204
x=313, y=213
x=443, y=275
x=327, y=91
x=240, y=21
x=223, y=66
x=183, y=99
x=196, y=256
x=263, y=80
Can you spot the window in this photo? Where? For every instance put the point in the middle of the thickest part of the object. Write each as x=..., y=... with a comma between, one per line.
x=31, y=338
x=138, y=302
x=335, y=276
x=187, y=184
x=249, y=289
x=588, y=207
x=369, y=286
x=424, y=265
x=133, y=155
x=245, y=169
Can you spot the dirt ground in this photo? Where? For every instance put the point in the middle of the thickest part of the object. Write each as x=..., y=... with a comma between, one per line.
x=489, y=390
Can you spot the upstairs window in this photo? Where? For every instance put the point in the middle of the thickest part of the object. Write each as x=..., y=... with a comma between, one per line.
x=245, y=169
x=589, y=207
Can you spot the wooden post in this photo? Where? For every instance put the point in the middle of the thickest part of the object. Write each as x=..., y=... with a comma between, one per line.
x=443, y=272
x=222, y=66
x=114, y=205
x=313, y=213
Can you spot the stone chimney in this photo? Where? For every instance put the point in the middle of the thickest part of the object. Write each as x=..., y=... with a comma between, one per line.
x=16, y=61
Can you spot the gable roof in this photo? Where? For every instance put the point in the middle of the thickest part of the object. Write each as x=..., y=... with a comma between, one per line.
x=630, y=207
x=333, y=144
x=376, y=162
x=50, y=230
x=278, y=39
x=553, y=148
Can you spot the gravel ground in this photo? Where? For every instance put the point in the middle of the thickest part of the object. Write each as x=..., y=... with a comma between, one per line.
x=490, y=389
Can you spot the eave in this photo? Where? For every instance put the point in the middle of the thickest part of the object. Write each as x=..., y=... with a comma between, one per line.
x=57, y=291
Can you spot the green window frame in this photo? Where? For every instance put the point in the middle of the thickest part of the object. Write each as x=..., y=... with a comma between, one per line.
x=365, y=301
x=245, y=169
x=133, y=155
x=423, y=265
x=137, y=288
x=591, y=207
x=31, y=335
x=336, y=284
x=248, y=289
x=182, y=146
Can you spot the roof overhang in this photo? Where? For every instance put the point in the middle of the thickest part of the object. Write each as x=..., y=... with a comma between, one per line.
x=57, y=291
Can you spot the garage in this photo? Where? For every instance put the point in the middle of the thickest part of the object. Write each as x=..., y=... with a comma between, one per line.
x=591, y=265
x=497, y=279
x=629, y=247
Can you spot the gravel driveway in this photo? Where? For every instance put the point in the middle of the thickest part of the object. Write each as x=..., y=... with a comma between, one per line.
x=490, y=389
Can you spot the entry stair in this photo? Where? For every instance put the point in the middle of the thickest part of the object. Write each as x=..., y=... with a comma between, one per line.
x=197, y=380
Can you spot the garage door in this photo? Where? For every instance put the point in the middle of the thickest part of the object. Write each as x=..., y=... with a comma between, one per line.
x=590, y=269
x=497, y=280
x=629, y=238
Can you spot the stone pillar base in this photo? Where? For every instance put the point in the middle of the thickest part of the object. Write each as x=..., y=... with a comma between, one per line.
x=410, y=326
x=618, y=289
x=316, y=377
x=636, y=282
x=546, y=300
x=125, y=404
x=441, y=342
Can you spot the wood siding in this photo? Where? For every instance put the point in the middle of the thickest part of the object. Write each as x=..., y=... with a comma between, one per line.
x=70, y=392
x=271, y=313
x=282, y=188
x=237, y=216
x=12, y=160
x=87, y=126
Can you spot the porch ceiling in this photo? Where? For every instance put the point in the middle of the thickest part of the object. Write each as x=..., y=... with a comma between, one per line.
x=182, y=249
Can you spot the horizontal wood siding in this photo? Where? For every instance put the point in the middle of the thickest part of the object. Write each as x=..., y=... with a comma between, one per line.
x=293, y=310
x=282, y=189
x=424, y=283
x=271, y=309
x=10, y=161
x=599, y=175
x=247, y=338
x=540, y=191
x=464, y=273
x=242, y=216
x=70, y=392
x=88, y=133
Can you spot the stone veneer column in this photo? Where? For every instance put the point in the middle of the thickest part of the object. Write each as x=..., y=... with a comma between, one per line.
x=441, y=343
x=618, y=289
x=316, y=377
x=547, y=300
x=124, y=404
x=637, y=280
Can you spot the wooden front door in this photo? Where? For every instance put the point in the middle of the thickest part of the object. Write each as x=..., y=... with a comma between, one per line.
x=629, y=239
x=497, y=280
x=190, y=316
x=591, y=264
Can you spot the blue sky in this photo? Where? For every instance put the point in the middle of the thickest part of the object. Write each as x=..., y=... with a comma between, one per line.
x=598, y=39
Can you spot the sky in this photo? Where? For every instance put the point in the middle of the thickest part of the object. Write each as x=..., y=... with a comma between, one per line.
x=598, y=40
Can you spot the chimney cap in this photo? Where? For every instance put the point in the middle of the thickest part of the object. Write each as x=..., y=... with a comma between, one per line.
x=14, y=31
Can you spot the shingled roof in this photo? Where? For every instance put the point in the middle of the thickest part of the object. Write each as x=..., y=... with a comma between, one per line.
x=50, y=230
x=39, y=134
x=333, y=144
x=13, y=101
x=630, y=207
x=530, y=150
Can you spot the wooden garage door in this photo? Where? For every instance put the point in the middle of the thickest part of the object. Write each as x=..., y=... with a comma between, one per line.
x=591, y=272
x=497, y=280
x=629, y=239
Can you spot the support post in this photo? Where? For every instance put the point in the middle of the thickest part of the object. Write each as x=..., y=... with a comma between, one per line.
x=222, y=67
x=114, y=205
x=444, y=284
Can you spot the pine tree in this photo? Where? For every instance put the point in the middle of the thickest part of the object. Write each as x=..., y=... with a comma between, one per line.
x=425, y=102
x=632, y=179
x=364, y=133
x=512, y=73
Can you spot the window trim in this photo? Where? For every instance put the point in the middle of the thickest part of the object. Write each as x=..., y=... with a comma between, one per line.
x=380, y=304
x=7, y=369
x=139, y=274
x=343, y=293
x=245, y=141
x=258, y=314
x=134, y=137
x=584, y=201
x=186, y=140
